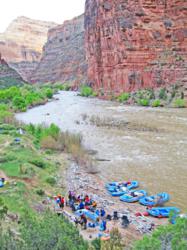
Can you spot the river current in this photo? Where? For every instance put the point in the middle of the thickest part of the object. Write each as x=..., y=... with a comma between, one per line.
x=138, y=143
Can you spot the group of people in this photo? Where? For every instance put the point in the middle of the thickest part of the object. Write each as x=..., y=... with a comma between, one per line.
x=60, y=200
x=79, y=202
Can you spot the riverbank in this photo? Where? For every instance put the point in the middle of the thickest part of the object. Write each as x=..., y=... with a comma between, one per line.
x=171, y=96
x=81, y=182
x=135, y=142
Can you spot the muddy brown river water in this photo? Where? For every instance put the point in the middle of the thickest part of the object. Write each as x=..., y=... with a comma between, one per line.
x=144, y=144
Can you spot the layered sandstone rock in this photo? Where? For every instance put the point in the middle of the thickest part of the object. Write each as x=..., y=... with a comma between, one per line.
x=63, y=56
x=8, y=76
x=21, y=44
x=133, y=44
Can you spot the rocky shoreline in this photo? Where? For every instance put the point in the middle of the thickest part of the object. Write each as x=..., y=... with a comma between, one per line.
x=78, y=180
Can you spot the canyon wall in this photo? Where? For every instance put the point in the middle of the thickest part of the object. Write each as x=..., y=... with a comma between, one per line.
x=8, y=76
x=134, y=44
x=22, y=42
x=63, y=58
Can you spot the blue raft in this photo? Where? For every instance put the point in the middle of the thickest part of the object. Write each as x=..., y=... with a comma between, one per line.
x=119, y=189
x=128, y=197
x=155, y=199
x=163, y=211
x=88, y=214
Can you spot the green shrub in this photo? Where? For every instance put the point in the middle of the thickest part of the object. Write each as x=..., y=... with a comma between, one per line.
x=40, y=192
x=96, y=244
x=32, y=98
x=163, y=94
x=156, y=103
x=41, y=131
x=143, y=102
x=3, y=209
x=166, y=237
x=49, y=93
x=179, y=103
x=51, y=180
x=95, y=94
x=19, y=103
x=3, y=107
x=38, y=163
x=66, y=87
x=123, y=97
x=86, y=91
x=5, y=115
x=48, y=231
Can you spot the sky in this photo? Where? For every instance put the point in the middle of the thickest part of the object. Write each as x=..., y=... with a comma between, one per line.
x=47, y=10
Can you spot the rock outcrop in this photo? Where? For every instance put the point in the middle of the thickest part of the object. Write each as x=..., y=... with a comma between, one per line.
x=134, y=44
x=21, y=44
x=8, y=76
x=63, y=56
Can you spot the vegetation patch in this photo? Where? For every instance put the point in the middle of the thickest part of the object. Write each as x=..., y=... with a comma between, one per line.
x=166, y=237
x=143, y=102
x=47, y=231
x=123, y=97
x=179, y=103
x=156, y=103
x=87, y=91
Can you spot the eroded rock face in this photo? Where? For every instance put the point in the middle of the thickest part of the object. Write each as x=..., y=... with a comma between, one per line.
x=21, y=44
x=133, y=44
x=8, y=76
x=63, y=56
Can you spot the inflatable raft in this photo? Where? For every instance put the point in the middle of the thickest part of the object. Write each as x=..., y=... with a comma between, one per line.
x=121, y=188
x=133, y=196
x=88, y=214
x=163, y=211
x=158, y=199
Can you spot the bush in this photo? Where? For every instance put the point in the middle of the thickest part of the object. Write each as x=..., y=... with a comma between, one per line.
x=3, y=210
x=32, y=98
x=66, y=87
x=4, y=107
x=163, y=94
x=115, y=242
x=19, y=103
x=46, y=232
x=156, y=103
x=123, y=97
x=49, y=93
x=179, y=103
x=5, y=116
x=51, y=180
x=166, y=237
x=38, y=163
x=40, y=192
x=143, y=102
x=42, y=131
x=48, y=142
x=86, y=91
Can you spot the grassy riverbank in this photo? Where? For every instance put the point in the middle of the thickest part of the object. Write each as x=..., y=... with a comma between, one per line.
x=171, y=96
x=32, y=173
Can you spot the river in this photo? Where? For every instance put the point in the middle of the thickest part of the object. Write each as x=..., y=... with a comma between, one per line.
x=150, y=146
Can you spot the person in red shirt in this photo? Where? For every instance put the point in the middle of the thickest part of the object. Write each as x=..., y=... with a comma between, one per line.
x=62, y=202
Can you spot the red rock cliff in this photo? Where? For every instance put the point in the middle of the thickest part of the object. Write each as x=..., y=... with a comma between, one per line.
x=133, y=44
x=63, y=57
